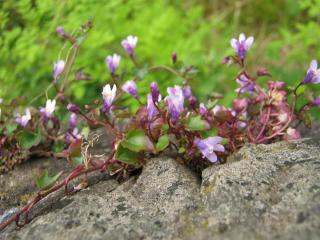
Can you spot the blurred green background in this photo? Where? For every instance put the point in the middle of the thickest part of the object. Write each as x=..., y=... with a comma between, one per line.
x=287, y=37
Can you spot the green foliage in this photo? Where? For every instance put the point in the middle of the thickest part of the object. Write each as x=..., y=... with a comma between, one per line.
x=30, y=45
x=137, y=141
x=287, y=33
x=162, y=143
x=76, y=161
x=44, y=181
x=197, y=124
x=10, y=128
x=127, y=156
x=29, y=139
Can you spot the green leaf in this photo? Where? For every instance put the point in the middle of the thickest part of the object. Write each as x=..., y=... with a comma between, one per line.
x=44, y=181
x=77, y=161
x=58, y=147
x=165, y=127
x=301, y=89
x=11, y=127
x=210, y=133
x=29, y=139
x=162, y=143
x=307, y=94
x=127, y=156
x=197, y=124
x=137, y=141
x=224, y=141
x=182, y=150
x=307, y=120
x=85, y=132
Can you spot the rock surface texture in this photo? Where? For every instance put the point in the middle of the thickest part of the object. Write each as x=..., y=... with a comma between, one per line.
x=263, y=192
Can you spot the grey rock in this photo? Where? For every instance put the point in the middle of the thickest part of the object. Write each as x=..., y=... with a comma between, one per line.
x=262, y=192
x=18, y=185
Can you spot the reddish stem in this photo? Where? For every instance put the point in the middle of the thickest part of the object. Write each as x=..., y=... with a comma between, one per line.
x=80, y=170
x=264, y=124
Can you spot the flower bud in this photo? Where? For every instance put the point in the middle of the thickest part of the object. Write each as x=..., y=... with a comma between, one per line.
x=129, y=44
x=174, y=57
x=154, y=91
x=240, y=104
x=192, y=101
x=113, y=62
x=312, y=75
x=202, y=109
x=60, y=31
x=72, y=120
x=187, y=92
x=58, y=68
x=292, y=134
x=316, y=102
x=73, y=108
x=130, y=87
x=263, y=72
x=226, y=60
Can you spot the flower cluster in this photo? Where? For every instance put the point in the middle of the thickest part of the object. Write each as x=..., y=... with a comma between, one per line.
x=202, y=133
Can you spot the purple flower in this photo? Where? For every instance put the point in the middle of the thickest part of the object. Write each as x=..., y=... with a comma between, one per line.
x=129, y=44
x=58, y=68
x=108, y=96
x=130, y=87
x=113, y=62
x=60, y=31
x=203, y=110
x=242, y=45
x=156, y=97
x=209, y=146
x=48, y=109
x=278, y=85
x=246, y=85
x=151, y=109
x=316, y=102
x=187, y=92
x=192, y=101
x=174, y=57
x=72, y=120
x=313, y=74
x=175, y=101
x=73, y=108
x=72, y=136
x=24, y=119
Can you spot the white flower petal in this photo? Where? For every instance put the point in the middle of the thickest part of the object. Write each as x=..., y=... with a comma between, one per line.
x=249, y=43
x=313, y=65
x=234, y=43
x=242, y=37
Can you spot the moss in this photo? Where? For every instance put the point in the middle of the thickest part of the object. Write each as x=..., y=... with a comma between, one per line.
x=23, y=199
